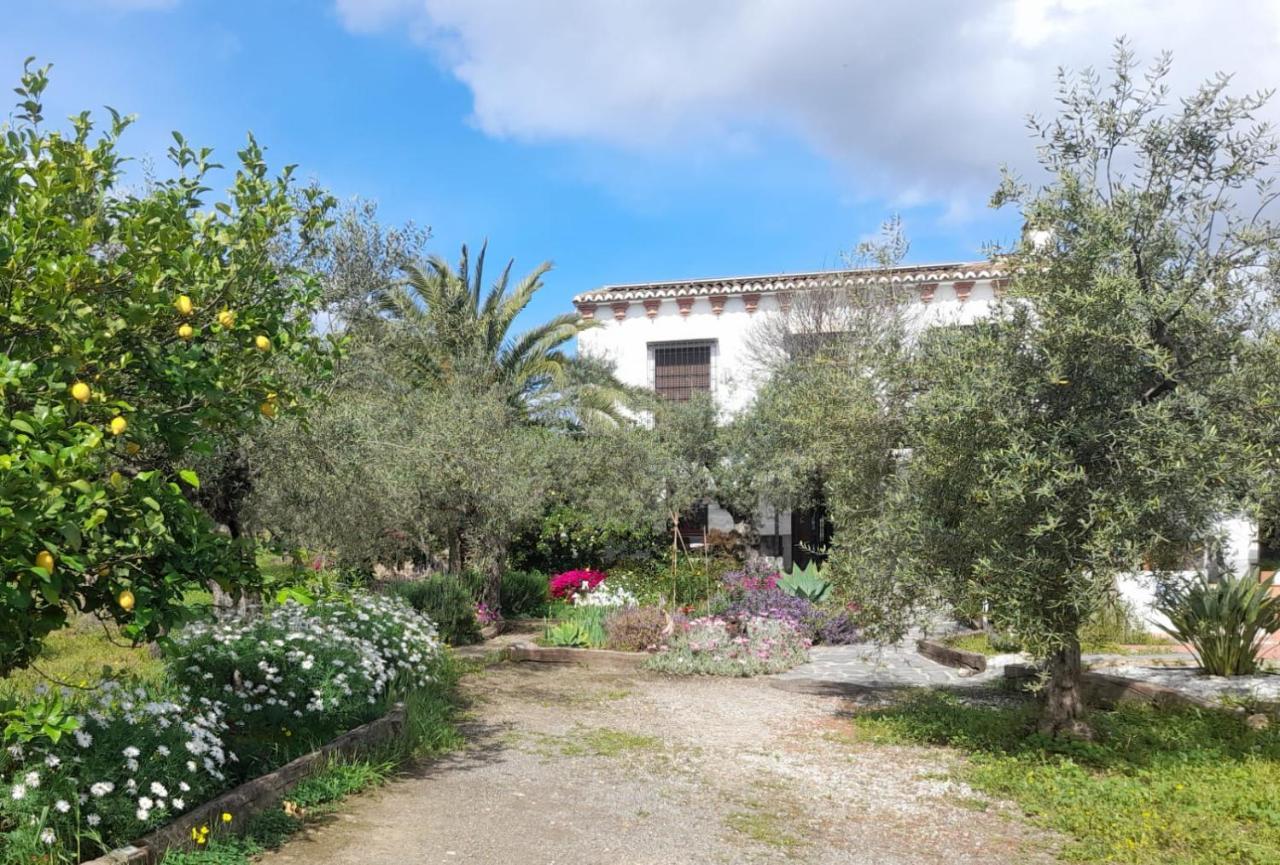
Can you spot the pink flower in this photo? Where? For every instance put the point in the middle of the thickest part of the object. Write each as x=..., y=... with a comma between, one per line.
x=567, y=584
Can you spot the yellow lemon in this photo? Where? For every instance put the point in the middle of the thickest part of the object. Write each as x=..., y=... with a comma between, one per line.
x=118, y=425
x=44, y=559
x=183, y=304
x=125, y=600
x=186, y=331
x=268, y=409
x=80, y=392
x=262, y=342
x=227, y=319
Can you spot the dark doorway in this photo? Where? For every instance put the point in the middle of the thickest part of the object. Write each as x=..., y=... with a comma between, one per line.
x=811, y=531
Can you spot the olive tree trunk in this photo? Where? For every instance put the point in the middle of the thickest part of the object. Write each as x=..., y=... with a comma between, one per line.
x=1062, y=714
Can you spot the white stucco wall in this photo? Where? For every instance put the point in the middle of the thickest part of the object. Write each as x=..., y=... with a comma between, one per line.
x=1239, y=554
x=735, y=374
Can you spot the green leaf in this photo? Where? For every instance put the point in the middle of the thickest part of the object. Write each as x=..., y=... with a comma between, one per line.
x=191, y=478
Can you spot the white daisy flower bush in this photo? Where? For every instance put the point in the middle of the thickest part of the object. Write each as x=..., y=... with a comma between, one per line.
x=241, y=697
x=605, y=595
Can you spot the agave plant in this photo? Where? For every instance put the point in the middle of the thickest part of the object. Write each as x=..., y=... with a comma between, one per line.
x=1224, y=621
x=805, y=583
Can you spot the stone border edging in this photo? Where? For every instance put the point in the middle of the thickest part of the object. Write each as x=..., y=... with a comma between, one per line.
x=1105, y=690
x=253, y=796
x=950, y=656
x=599, y=658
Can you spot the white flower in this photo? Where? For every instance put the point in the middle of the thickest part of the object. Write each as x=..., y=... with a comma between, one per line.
x=142, y=815
x=32, y=780
x=62, y=806
x=83, y=739
x=158, y=789
x=93, y=819
x=47, y=835
x=184, y=786
x=52, y=761
x=145, y=803
x=19, y=791
x=101, y=789
x=162, y=750
x=131, y=752
x=179, y=804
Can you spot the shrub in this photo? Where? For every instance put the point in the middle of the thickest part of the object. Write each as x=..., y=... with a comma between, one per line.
x=240, y=697
x=1223, y=621
x=715, y=646
x=297, y=675
x=695, y=580
x=564, y=586
x=524, y=593
x=583, y=627
x=758, y=591
x=640, y=629
x=770, y=604
x=837, y=627
x=140, y=756
x=446, y=601
x=605, y=595
x=567, y=538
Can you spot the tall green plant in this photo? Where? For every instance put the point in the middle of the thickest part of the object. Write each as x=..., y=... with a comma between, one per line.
x=1224, y=620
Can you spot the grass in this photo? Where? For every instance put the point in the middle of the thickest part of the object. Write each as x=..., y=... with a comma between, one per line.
x=79, y=656
x=1156, y=788
x=763, y=827
x=313, y=798
x=1140, y=642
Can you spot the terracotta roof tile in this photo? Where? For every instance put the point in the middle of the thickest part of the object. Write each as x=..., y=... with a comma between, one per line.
x=736, y=285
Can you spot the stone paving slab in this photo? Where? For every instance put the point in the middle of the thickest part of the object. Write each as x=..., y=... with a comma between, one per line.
x=881, y=667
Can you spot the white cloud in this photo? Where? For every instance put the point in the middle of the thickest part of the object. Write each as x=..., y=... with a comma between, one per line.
x=916, y=100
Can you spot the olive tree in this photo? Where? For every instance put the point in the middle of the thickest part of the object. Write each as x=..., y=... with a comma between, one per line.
x=1112, y=403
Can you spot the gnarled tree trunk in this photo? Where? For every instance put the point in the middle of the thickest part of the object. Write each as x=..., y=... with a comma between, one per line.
x=1062, y=714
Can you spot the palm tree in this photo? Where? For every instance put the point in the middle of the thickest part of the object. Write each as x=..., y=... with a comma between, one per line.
x=455, y=333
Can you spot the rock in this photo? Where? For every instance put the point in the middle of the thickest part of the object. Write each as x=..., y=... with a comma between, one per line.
x=1257, y=721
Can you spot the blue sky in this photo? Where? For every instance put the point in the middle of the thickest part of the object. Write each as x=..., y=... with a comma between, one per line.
x=624, y=141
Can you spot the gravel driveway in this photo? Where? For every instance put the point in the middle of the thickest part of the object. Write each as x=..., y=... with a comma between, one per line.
x=570, y=767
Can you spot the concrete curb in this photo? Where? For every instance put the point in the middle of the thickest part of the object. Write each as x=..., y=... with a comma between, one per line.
x=949, y=656
x=255, y=796
x=594, y=658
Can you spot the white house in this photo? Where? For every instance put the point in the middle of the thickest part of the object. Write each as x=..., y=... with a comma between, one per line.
x=693, y=335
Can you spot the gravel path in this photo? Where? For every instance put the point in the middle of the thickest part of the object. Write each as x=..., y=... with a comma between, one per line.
x=568, y=766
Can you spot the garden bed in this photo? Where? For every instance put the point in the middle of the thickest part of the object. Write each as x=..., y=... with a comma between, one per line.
x=255, y=796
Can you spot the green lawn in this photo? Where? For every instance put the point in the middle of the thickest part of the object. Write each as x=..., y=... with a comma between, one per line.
x=981, y=643
x=77, y=656
x=1156, y=788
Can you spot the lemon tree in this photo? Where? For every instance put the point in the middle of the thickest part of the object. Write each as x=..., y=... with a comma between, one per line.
x=140, y=325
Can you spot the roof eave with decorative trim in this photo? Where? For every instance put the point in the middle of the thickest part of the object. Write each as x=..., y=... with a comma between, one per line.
x=783, y=282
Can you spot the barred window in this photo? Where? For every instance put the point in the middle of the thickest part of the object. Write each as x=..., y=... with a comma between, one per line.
x=681, y=369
